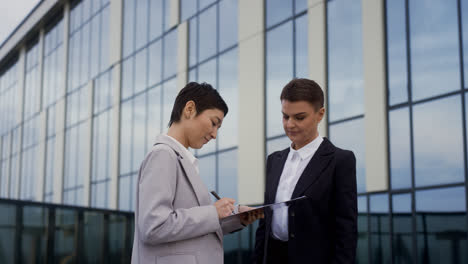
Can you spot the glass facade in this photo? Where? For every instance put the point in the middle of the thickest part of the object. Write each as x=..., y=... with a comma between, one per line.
x=63, y=72
x=46, y=233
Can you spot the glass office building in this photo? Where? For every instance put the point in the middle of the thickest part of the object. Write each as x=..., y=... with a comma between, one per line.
x=85, y=86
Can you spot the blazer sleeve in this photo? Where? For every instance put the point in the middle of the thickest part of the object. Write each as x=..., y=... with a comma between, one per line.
x=232, y=226
x=345, y=209
x=158, y=222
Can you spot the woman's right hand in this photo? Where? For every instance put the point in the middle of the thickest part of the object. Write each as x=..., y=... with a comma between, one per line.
x=224, y=207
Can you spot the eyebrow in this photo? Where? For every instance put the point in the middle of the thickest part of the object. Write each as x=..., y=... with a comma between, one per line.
x=294, y=114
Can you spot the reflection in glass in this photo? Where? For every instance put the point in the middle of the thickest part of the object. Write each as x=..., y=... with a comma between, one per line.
x=438, y=154
x=227, y=23
x=279, y=71
x=141, y=25
x=380, y=225
x=277, y=11
x=228, y=89
x=441, y=225
x=93, y=236
x=127, y=78
x=396, y=45
x=66, y=232
x=141, y=68
x=435, y=58
x=207, y=166
x=227, y=174
x=207, y=33
x=118, y=229
x=345, y=65
x=7, y=233
x=128, y=27
x=300, y=5
x=34, y=234
x=362, y=255
x=400, y=152
x=193, y=41
x=402, y=228
x=350, y=135
x=169, y=95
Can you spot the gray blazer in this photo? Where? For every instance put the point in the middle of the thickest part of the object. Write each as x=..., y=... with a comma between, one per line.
x=175, y=221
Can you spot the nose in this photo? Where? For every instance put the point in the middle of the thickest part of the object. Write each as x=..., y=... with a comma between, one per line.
x=214, y=133
x=290, y=123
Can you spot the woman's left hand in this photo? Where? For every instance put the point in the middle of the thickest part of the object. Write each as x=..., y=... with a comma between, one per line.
x=251, y=215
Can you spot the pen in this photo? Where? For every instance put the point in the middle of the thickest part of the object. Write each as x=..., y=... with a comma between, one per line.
x=219, y=198
x=215, y=195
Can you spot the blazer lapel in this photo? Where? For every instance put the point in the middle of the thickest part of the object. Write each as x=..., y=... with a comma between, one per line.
x=317, y=164
x=198, y=187
x=276, y=170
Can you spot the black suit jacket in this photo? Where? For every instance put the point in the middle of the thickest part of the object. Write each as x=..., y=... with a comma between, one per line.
x=322, y=228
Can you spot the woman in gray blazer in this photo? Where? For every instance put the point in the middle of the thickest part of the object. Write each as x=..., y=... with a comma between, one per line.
x=175, y=219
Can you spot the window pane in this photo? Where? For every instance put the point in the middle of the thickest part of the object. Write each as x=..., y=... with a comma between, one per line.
x=66, y=230
x=125, y=186
x=464, y=12
x=128, y=27
x=438, y=149
x=188, y=8
x=193, y=41
x=227, y=174
x=277, y=11
x=126, y=138
x=156, y=10
x=380, y=225
x=400, y=152
x=362, y=255
x=277, y=144
x=205, y=3
x=301, y=5
x=141, y=67
x=441, y=225
x=227, y=23
x=207, y=167
x=302, y=53
x=139, y=129
x=170, y=54
x=345, y=66
x=155, y=63
x=208, y=33
x=141, y=37
x=350, y=135
x=207, y=73
x=34, y=234
x=396, y=45
x=93, y=234
x=154, y=116
x=127, y=78
x=279, y=71
x=228, y=88
x=402, y=228
x=7, y=232
x=170, y=92
x=435, y=58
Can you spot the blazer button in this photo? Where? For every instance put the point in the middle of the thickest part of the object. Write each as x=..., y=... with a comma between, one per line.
x=293, y=214
x=292, y=235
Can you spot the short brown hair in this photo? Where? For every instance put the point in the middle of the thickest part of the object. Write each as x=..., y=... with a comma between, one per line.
x=303, y=90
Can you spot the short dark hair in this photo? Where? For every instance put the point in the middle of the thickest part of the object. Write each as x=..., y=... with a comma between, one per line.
x=204, y=96
x=303, y=90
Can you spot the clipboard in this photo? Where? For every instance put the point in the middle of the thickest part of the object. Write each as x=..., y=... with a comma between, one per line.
x=260, y=209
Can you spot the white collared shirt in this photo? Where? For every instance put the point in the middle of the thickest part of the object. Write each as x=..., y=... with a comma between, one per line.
x=189, y=154
x=296, y=162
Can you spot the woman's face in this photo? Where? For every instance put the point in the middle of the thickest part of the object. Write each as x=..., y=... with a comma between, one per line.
x=203, y=127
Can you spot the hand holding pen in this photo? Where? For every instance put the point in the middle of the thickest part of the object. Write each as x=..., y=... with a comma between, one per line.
x=224, y=206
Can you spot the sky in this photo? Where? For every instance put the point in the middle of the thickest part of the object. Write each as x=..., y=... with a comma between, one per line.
x=11, y=15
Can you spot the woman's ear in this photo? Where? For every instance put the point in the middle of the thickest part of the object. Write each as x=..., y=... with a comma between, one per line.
x=189, y=109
